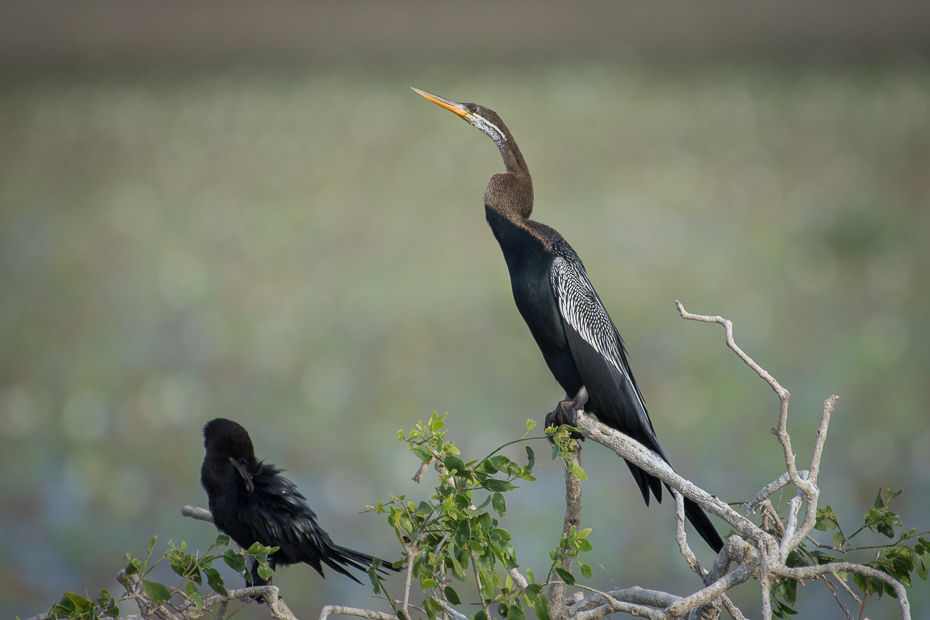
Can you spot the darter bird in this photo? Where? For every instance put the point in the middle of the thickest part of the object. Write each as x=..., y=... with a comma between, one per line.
x=576, y=336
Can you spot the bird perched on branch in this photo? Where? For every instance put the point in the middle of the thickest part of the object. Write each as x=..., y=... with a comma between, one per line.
x=578, y=340
x=252, y=502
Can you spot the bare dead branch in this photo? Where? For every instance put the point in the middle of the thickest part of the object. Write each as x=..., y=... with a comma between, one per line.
x=411, y=554
x=352, y=611
x=682, y=538
x=634, y=595
x=418, y=477
x=813, y=572
x=201, y=514
x=634, y=452
x=451, y=610
x=770, y=489
x=518, y=579
x=828, y=406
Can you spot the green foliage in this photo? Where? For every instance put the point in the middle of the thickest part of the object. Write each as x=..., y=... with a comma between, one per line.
x=191, y=569
x=457, y=531
x=908, y=554
x=565, y=444
x=570, y=545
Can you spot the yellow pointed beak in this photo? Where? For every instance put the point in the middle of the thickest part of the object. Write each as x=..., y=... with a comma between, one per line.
x=452, y=106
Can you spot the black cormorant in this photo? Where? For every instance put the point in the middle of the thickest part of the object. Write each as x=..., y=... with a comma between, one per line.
x=252, y=502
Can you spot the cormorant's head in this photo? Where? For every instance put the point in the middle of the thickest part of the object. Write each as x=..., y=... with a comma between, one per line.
x=225, y=438
x=479, y=116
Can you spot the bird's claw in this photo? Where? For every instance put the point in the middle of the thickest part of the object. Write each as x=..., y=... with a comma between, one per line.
x=566, y=412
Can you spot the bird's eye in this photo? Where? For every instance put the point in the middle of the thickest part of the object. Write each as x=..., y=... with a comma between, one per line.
x=472, y=108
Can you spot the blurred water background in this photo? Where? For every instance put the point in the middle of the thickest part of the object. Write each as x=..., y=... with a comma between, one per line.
x=241, y=210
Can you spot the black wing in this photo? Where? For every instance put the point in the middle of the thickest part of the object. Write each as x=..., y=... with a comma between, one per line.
x=279, y=516
x=599, y=353
x=612, y=391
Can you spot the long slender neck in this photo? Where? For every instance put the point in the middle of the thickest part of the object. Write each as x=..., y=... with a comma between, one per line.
x=511, y=193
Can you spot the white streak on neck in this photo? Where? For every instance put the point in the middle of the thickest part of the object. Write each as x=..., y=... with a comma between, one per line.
x=489, y=128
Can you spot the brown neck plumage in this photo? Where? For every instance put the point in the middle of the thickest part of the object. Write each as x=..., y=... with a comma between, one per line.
x=511, y=193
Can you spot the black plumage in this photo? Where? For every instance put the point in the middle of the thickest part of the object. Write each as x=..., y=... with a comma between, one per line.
x=578, y=340
x=252, y=502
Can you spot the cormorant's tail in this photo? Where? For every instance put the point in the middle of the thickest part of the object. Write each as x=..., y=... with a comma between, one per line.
x=339, y=558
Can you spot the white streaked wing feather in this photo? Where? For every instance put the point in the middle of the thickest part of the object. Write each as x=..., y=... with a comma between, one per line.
x=580, y=306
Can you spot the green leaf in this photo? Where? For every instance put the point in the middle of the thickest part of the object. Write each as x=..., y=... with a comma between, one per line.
x=485, y=522
x=498, y=486
x=74, y=602
x=375, y=582
x=157, y=593
x=533, y=590
x=264, y=570
x=585, y=569
x=862, y=582
x=135, y=566
x=879, y=502
x=195, y=596
x=433, y=609
x=452, y=596
x=515, y=612
x=893, y=494
x=463, y=534
x=481, y=615
x=428, y=583
x=215, y=580
x=530, y=459
x=826, y=520
x=455, y=464
x=423, y=453
x=578, y=472
x=499, y=504
x=234, y=561
x=566, y=576
x=838, y=540
x=530, y=425
x=541, y=606
x=921, y=564
x=152, y=544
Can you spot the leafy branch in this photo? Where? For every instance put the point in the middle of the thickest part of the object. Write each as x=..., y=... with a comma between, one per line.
x=184, y=600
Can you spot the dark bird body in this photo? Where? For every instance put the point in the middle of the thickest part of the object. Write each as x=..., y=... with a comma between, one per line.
x=252, y=502
x=578, y=339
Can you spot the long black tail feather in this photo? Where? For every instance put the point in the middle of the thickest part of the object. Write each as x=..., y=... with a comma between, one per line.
x=696, y=516
x=339, y=558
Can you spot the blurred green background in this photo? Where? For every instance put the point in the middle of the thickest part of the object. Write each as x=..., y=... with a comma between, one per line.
x=241, y=210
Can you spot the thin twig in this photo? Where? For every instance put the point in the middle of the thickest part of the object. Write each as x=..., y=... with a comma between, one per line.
x=411, y=554
x=826, y=580
x=484, y=604
x=682, y=538
x=771, y=488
